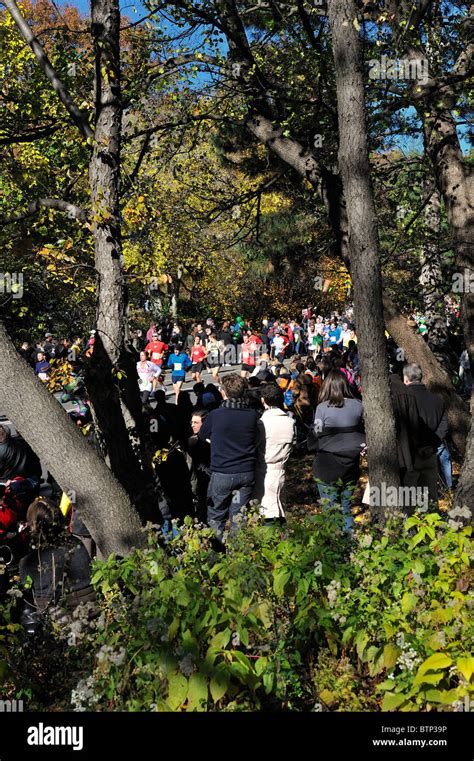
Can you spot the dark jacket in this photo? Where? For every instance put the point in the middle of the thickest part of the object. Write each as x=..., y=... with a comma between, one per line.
x=232, y=430
x=420, y=419
x=337, y=439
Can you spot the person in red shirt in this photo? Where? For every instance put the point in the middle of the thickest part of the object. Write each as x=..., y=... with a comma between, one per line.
x=198, y=356
x=249, y=359
x=156, y=349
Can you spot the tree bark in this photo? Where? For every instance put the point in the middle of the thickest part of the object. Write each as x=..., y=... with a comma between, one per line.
x=432, y=278
x=101, y=502
x=363, y=245
x=115, y=399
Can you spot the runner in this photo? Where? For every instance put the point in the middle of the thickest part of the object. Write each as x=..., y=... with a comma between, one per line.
x=198, y=356
x=148, y=374
x=178, y=362
x=156, y=349
x=213, y=349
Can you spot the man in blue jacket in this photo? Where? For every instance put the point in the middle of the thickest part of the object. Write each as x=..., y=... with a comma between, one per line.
x=231, y=430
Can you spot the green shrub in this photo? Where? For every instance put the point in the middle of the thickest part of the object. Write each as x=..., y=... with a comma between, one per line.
x=286, y=620
x=404, y=612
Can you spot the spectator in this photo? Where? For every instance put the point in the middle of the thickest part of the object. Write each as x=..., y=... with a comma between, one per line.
x=422, y=424
x=275, y=437
x=231, y=430
x=337, y=438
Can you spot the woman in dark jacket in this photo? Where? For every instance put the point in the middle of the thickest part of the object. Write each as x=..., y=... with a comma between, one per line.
x=57, y=568
x=337, y=437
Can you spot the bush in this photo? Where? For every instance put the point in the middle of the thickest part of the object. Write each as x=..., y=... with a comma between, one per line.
x=403, y=609
x=283, y=622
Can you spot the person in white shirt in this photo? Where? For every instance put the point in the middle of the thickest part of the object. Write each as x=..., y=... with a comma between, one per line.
x=148, y=374
x=345, y=335
x=278, y=344
x=275, y=437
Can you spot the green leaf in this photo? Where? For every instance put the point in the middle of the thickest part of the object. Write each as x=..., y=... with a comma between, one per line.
x=392, y=701
x=221, y=639
x=429, y=678
x=219, y=685
x=466, y=667
x=433, y=696
x=361, y=643
x=390, y=655
x=280, y=580
x=409, y=601
x=435, y=662
x=260, y=665
x=264, y=611
x=177, y=691
x=197, y=693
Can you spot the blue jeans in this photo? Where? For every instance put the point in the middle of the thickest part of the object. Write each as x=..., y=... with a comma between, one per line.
x=444, y=464
x=227, y=495
x=339, y=494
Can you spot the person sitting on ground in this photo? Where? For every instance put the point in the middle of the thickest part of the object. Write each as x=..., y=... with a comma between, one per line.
x=275, y=438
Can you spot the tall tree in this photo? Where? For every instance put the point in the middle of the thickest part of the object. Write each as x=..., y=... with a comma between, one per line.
x=111, y=374
x=364, y=251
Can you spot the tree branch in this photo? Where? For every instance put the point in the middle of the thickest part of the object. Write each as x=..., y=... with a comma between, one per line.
x=46, y=203
x=76, y=115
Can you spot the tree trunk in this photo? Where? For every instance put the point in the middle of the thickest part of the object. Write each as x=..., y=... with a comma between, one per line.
x=363, y=245
x=433, y=280
x=464, y=496
x=101, y=502
x=116, y=400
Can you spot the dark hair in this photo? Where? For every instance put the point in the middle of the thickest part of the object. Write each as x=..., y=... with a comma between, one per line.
x=300, y=367
x=310, y=364
x=200, y=413
x=44, y=519
x=160, y=396
x=254, y=381
x=211, y=388
x=335, y=389
x=272, y=395
x=198, y=387
x=178, y=348
x=234, y=386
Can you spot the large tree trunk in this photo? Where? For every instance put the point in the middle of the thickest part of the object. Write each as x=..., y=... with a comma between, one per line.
x=111, y=374
x=101, y=502
x=363, y=245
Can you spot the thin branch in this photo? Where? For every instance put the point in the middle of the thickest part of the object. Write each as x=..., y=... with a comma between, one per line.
x=47, y=203
x=74, y=112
